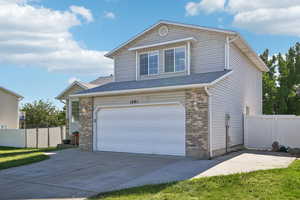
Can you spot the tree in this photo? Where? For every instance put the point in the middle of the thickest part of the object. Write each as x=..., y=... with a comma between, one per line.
x=269, y=84
x=40, y=114
x=281, y=85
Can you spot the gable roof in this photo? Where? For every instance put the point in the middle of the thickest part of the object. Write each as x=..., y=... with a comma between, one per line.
x=102, y=80
x=11, y=92
x=239, y=41
x=177, y=82
x=78, y=83
x=99, y=81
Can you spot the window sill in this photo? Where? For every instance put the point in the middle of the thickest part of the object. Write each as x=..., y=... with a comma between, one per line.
x=149, y=75
x=177, y=72
x=163, y=74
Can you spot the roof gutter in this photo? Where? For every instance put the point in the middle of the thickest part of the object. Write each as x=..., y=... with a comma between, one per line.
x=155, y=89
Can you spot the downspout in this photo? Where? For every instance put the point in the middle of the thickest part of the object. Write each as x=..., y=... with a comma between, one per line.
x=136, y=65
x=114, y=76
x=227, y=53
x=209, y=121
x=189, y=57
x=227, y=50
x=93, y=124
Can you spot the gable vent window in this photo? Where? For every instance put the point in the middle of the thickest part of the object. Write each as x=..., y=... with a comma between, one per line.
x=175, y=59
x=149, y=63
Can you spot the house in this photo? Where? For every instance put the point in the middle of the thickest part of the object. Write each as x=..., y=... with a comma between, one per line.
x=72, y=105
x=178, y=89
x=9, y=109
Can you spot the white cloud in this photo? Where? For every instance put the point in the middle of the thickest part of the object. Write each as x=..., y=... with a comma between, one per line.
x=246, y=5
x=109, y=15
x=73, y=79
x=208, y=6
x=283, y=21
x=40, y=37
x=12, y=1
x=85, y=13
x=267, y=17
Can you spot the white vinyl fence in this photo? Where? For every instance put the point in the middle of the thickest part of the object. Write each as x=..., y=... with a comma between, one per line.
x=261, y=131
x=36, y=138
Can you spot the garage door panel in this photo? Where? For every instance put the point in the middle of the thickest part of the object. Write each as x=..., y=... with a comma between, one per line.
x=149, y=129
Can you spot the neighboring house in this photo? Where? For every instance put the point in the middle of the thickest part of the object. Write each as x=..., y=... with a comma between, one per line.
x=9, y=109
x=178, y=89
x=72, y=105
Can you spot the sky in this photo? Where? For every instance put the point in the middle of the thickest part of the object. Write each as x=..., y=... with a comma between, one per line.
x=47, y=44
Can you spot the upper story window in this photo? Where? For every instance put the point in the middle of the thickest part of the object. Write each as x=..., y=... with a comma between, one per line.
x=149, y=63
x=175, y=59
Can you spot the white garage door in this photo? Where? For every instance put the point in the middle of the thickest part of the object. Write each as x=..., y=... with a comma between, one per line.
x=155, y=129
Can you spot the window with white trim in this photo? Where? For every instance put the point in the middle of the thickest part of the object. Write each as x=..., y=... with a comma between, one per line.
x=74, y=111
x=149, y=63
x=175, y=59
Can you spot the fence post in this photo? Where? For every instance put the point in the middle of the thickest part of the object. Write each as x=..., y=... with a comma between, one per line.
x=245, y=131
x=25, y=138
x=37, y=138
x=48, y=136
x=61, y=134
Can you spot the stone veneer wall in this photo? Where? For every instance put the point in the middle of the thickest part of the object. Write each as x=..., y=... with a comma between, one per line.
x=197, y=139
x=196, y=111
x=86, y=123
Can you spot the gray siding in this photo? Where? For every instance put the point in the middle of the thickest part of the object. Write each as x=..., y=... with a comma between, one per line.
x=143, y=98
x=207, y=52
x=231, y=95
x=125, y=66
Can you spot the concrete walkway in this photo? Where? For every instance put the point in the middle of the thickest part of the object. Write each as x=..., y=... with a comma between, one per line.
x=71, y=174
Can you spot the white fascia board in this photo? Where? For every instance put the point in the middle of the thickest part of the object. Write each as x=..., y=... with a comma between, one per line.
x=70, y=86
x=162, y=43
x=249, y=51
x=155, y=89
x=198, y=27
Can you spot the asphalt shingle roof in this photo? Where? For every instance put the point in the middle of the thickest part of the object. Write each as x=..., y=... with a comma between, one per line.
x=199, y=78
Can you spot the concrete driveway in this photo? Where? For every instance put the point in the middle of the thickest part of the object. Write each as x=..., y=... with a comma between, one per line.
x=73, y=174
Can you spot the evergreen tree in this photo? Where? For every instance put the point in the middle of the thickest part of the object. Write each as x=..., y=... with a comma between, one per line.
x=269, y=84
x=281, y=85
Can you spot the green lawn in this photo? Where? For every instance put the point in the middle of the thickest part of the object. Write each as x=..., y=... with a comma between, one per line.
x=13, y=157
x=283, y=184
